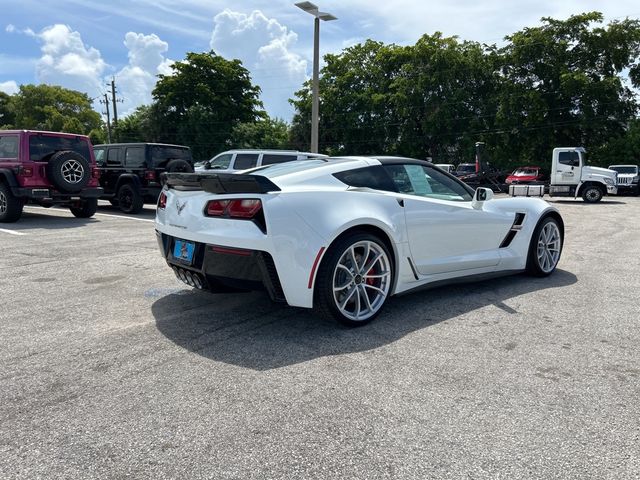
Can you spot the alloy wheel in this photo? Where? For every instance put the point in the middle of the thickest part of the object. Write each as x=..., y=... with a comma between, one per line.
x=549, y=244
x=72, y=171
x=361, y=280
x=3, y=203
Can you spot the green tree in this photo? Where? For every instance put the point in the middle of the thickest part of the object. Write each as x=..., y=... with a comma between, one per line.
x=563, y=85
x=54, y=108
x=135, y=126
x=263, y=134
x=7, y=116
x=201, y=102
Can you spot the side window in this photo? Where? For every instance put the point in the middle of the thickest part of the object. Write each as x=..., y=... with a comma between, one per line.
x=427, y=182
x=9, y=147
x=245, y=160
x=569, y=158
x=99, y=154
x=221, y=161
x=271, y=158
x=134, y=157
x=368, y=177
x=113, y=157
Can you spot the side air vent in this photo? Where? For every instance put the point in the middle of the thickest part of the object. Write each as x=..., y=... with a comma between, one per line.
x=515, y=228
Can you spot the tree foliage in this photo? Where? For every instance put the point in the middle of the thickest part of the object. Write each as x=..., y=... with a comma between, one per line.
x=201, y=102
x=53, y=108
x=264, y=133
x=559, y=83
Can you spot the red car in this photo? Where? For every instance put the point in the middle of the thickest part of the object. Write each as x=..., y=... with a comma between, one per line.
x=526, y=175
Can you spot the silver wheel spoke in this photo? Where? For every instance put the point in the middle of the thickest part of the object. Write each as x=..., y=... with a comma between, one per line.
x=379, y=290
x=346, y=300
x=370, y=265
x=363, y=292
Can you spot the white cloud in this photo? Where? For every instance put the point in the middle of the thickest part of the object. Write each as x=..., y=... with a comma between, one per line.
x=146, y=60
x=265, y=48
x=67, y=61
x=9, y=87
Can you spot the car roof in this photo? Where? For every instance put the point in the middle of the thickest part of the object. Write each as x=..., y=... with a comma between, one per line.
x=57, y=134
x=140, y=144
x=258, y=150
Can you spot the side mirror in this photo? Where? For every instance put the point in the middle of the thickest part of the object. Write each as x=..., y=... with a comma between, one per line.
x=482, y=195
x=207, y=166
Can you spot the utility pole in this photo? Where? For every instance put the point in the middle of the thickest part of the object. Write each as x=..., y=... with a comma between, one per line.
x=106, y=103
x=113, y=97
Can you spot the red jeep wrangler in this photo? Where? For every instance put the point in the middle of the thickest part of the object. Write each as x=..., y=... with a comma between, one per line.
x=47, y=169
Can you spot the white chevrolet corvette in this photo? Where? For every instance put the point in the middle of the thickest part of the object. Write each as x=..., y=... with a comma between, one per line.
x=341, y=235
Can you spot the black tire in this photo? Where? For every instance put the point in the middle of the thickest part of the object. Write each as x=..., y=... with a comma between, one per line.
x=129, y=199
x=10, y=205
x=113, y=202
x=545, y=251
x=68, y=171
x=87, y=208
x=179, y=166
x=358, y=283
x=592, y=194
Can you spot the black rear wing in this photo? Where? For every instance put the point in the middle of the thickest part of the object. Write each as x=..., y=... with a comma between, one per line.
x=219, y=182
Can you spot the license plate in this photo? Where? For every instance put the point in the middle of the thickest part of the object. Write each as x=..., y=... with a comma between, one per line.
x=183, y=251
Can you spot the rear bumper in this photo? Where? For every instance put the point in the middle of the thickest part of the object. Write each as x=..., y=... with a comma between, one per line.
x=220, y=268
x=47, y=194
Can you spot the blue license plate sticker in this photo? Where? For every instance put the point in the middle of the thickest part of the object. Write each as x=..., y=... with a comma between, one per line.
x=183, y=250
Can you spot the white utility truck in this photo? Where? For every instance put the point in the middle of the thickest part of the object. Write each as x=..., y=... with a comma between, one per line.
x=572, y=177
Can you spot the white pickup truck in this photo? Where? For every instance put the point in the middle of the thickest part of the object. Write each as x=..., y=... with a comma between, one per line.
x=572, y=177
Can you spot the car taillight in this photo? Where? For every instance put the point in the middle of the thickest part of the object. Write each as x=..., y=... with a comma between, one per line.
x=95, y=172
x=25, y=171
x=150, y=175
x=162, y=200
x=237, y=208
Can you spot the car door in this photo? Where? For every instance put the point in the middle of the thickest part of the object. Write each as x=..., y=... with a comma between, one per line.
x=445, y=233
x=566, y=171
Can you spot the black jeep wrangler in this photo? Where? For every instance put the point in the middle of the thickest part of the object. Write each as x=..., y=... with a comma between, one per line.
x=130, y=172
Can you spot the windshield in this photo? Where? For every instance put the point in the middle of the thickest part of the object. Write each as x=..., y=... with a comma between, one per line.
x=521, y=172
x=466, y=168
x=277, y=169
x=42, y=147
x=624, y=169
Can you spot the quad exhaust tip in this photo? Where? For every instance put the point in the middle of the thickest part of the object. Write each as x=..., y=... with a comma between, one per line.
x=192, y=279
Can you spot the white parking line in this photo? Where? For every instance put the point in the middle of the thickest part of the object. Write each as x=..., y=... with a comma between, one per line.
x=11, y=232
x=39, y=209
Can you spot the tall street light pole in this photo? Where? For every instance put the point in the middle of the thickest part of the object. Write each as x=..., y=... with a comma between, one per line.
x=315, y=103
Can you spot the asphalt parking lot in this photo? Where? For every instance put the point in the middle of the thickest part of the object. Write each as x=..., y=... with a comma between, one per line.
x=111, y=368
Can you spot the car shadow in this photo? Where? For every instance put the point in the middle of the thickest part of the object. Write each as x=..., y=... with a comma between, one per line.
x=147, y=212
x=250, y=331
x=581, y=202
x=32, y=219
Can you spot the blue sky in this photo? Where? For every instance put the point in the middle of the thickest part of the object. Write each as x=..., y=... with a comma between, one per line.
x=81, y=44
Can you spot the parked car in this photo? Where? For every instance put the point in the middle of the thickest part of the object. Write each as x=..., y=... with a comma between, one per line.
x=526, y=175
x=447, y=167
x=235, y=160
x=464, y=169
x=342, y=235
x=130, y=172
x=47, y=169
x=627, y=178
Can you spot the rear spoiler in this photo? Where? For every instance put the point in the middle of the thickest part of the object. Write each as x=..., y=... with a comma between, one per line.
x=220, y=182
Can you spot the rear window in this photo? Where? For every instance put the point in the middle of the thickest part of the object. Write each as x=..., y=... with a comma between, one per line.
x=42, y=147
x=9, y=147
x=272, y=171
x=160, y=153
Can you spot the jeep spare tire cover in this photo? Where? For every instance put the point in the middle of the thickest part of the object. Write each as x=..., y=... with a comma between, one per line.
x=179, y=166
x=68, y=171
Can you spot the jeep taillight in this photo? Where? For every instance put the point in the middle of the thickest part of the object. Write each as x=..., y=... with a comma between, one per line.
x=150, y=175
x=237, y=208
x=95, y=172
x=162, y=201
x=25, y=171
